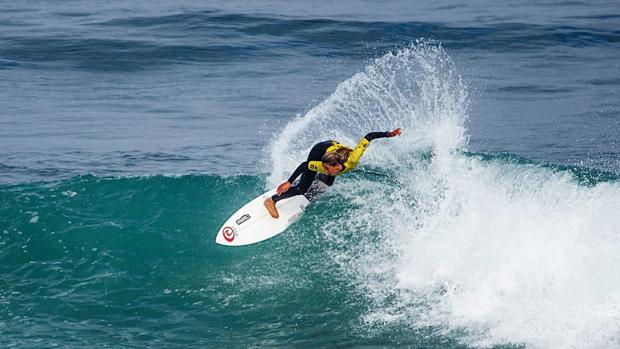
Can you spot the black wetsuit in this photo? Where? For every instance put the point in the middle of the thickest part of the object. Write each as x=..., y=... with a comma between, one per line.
x=308, y=176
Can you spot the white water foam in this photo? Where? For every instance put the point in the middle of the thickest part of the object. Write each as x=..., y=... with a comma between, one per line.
x=487, y=252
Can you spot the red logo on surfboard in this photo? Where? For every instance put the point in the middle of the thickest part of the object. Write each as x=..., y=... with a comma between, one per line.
x=229, y=234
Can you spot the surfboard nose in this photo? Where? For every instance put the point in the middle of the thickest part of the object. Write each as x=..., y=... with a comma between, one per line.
x=219, y=239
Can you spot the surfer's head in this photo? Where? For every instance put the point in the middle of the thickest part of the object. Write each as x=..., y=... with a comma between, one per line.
x=333, y=162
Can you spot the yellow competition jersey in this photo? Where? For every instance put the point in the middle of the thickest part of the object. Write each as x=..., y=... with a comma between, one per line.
x=352, y=160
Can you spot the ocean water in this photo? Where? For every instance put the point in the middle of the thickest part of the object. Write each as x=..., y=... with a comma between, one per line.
x=130, y=131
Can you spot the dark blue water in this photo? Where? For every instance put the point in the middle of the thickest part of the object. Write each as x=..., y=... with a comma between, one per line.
x=129, y=131
x=121, y=88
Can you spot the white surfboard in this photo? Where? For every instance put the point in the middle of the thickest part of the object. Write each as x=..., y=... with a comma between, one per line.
x=252, y=223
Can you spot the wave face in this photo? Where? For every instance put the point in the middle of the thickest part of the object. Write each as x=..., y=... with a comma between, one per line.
x=107, y=261
x=489, y=250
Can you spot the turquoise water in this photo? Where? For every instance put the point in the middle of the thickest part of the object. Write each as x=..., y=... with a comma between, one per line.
x=131, y=262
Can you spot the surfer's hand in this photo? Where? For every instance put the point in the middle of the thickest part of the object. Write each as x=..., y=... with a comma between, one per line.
x=283, y=187
x=394, y=133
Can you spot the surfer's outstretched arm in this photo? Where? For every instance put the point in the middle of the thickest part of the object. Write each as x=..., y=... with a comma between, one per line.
x=374, y=135
x=360, y=148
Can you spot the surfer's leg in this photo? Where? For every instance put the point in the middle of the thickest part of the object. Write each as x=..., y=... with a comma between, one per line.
x=329, y=180
x=319, y=185
x=304, y=183
x=271, y=207
x=299, y=188
x=270, y=203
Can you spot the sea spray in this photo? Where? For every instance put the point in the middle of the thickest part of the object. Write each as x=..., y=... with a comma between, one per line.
x=482, y=250
x=415, y=88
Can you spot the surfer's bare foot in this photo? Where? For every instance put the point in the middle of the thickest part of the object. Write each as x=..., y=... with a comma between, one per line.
x=271, y=207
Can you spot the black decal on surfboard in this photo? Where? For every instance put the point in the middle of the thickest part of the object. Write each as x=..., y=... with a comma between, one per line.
x=243, y=218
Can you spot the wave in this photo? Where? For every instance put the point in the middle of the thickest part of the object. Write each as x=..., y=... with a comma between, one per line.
x=335, y=32
x=488, y=249
x=425, y=237
x=376, y=249
x=116, y=260
x=141, y=42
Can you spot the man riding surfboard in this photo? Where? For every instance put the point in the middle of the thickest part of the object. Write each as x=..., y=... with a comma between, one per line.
x=329, y=159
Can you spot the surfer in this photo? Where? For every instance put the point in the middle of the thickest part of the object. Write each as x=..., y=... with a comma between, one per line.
x=329, y=159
